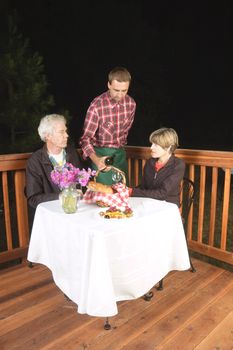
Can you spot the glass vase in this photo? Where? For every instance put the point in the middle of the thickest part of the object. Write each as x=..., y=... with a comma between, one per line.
x=69, y=199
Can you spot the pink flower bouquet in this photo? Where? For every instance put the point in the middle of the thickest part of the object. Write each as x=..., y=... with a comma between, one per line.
x=69, y=175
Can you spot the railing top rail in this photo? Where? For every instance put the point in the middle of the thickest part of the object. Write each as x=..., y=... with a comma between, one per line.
x=191, y=156
x=13, y=161
x=207, y=158
x=220, y=159
x=15, y=156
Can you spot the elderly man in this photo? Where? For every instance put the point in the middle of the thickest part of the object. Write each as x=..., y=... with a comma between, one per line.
x=39, y=186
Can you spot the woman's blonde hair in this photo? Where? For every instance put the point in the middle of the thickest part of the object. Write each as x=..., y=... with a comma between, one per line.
x=165, y=138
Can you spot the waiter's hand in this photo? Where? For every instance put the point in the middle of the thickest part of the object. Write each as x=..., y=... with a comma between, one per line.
x=99, y=162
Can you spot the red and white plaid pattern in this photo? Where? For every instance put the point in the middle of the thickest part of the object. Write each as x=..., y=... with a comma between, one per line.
x=118, y=200
x=107, y=123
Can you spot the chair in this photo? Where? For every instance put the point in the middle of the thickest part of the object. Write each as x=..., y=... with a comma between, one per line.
x=188, y=192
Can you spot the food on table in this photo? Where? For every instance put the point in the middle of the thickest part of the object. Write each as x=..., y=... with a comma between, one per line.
x=114, y=213
x=102, y=204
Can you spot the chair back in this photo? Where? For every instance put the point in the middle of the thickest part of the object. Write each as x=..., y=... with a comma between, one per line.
x=187, y=198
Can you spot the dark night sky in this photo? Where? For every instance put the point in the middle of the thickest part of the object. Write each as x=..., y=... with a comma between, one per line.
x=178, y=52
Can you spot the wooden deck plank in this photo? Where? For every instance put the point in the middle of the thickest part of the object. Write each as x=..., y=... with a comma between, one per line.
x=193, y=311
x=29, y=314
x=177, y=317
x=20, y=270
x=21, y=302
x=45, y=328
x=22, y=279
x=208, y=321
x=220, y=337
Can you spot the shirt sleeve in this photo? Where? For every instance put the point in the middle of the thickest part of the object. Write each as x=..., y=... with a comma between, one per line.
x=89, y=129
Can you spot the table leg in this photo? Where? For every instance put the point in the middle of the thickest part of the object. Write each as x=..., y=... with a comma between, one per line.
x=148, y=296
x=192, y=269
x=107, y=325
x=160, y=286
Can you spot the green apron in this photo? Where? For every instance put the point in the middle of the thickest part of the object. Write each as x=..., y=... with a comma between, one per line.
x=119, y=161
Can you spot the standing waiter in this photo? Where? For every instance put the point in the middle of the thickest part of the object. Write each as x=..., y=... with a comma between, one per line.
x=107, y=123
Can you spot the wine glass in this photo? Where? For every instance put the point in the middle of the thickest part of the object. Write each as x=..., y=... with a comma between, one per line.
x=116, y=176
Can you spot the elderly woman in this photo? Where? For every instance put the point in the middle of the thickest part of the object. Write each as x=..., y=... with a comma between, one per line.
x=39, y=186
x=163, y=172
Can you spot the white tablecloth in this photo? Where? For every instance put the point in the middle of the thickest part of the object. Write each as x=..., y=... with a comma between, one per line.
x=97, y=262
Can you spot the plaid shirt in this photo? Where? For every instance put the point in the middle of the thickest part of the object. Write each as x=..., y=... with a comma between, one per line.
x=107, y=123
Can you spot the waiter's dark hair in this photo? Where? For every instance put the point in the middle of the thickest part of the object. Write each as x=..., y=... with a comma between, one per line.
x=120, y=74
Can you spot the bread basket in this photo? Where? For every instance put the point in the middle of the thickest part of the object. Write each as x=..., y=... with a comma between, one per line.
x=118, y=199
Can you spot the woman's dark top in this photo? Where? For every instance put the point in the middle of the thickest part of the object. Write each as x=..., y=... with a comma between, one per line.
x=164, y=184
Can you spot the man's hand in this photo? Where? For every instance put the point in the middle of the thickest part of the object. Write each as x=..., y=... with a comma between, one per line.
x=99, y=162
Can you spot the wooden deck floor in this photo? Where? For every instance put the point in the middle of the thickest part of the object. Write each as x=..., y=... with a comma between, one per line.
x=194, y=311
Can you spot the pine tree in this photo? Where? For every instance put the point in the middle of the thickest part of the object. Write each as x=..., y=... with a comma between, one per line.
x=24, y=98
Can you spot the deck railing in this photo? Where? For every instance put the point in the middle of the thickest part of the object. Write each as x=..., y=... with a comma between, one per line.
x=210, y=224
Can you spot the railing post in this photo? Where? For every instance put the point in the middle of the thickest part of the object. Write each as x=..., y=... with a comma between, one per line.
x=21, y=208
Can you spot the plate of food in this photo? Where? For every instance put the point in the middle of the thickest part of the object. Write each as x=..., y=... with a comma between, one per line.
x=114, y=213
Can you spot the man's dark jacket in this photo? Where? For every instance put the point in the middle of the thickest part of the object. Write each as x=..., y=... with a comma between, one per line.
x=39, y=186
x=164, y=184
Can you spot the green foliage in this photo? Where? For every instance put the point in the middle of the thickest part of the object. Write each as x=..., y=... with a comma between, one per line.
x=24, y=97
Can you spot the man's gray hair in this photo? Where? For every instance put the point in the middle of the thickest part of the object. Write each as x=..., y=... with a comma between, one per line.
x=46, y=126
